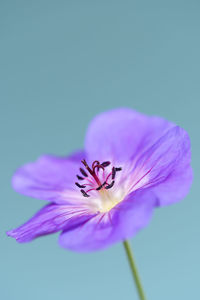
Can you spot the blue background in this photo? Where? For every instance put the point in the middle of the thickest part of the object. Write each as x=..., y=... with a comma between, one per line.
x=62, y=62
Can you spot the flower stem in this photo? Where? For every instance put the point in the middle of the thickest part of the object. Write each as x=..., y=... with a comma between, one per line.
x=134, y=270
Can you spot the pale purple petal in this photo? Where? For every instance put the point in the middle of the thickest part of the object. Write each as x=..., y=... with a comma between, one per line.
x=166, y=166
x=47, y=177
x=121, y=223
x=50, y=219
x=122, y=133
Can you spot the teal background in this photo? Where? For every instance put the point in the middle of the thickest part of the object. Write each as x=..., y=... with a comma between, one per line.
x=62, y=62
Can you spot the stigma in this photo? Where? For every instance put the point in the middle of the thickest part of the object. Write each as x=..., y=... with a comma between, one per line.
x=100, y=177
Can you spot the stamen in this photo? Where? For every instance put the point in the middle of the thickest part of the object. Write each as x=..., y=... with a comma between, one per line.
x=94, y=179
x=100, y=187
x=92, y=172
x=108, y=176
x=113, y=172
x=81, y=186
x=83, y=172
x=106, y=164
x=90, y=190
x=79, y=177
x=118, y=169
x=109, y=186
x=85, y=194
x=87, y=167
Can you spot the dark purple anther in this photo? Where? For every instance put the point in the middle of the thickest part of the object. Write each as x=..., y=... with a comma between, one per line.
x=81, y=186
x=113, y=172
x=105, y=164
x=85, y=194
x=118, y=169
x=83, y=172
x=79, y=177
x=110, y=185
x=100, y=187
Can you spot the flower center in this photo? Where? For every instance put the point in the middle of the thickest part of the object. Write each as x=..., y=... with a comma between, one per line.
x=98, y=178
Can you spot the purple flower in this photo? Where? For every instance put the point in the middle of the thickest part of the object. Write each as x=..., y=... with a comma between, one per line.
x=131, y=164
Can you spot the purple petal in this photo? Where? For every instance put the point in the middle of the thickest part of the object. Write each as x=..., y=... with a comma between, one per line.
x=175, y=187
x=48, y=176
x=122, y=133
x=50, y=219
x=122, y=222
x=77, y=156
x=167, y=166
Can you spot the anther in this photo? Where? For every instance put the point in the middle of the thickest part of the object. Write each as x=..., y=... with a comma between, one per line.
x=113, y=172
x=105, y=164
x=118, y=169
x=79, y=177
x=85, y=194
x=100, y=187
x=94, y=177
x=84, y=162
x=83, y=172
x=81, y=186
x=110, y=185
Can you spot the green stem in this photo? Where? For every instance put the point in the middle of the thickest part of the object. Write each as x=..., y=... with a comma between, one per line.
x=134, y=270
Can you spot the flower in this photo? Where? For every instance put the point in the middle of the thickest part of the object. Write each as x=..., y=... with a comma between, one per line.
x=106, y=193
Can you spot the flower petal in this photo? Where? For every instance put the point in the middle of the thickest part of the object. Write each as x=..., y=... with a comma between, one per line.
x=121, y=133
x=166, y=166
x=47, y=177
x=176, y=187
x=77, y=156
x=50, y=219
x=122, y=222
